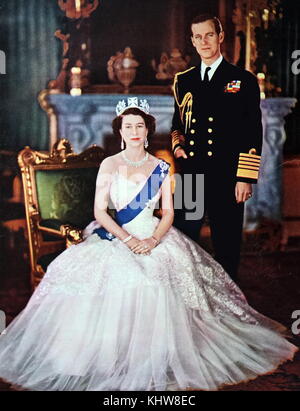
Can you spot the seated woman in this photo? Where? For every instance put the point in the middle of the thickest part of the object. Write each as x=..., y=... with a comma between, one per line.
x=137, y=305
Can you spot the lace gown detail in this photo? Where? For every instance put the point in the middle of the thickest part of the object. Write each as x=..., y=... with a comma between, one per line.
x=104, y=318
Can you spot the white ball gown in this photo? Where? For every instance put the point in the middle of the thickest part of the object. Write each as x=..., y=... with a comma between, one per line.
x=104, y=318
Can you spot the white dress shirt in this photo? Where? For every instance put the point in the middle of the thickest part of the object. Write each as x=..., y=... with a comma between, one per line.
x=213, y=68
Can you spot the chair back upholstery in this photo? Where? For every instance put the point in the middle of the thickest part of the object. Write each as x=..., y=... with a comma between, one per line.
x=67, y=195
x=59, y=190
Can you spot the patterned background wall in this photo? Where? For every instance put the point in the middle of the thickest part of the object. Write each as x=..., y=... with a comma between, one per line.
x=32, y=52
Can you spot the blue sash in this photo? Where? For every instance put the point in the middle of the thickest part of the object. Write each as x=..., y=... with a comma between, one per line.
x=133, y=209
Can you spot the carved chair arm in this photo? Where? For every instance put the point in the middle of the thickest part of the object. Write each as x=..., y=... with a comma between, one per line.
x=71, y=234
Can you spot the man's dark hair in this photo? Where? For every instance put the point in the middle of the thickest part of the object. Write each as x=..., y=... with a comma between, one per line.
x=204, y=17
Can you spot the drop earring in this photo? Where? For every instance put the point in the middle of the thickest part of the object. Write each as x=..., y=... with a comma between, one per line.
x=146, y=144
x=122, y=144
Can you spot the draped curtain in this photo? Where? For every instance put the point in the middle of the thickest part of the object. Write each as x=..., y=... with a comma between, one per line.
x=32, y=59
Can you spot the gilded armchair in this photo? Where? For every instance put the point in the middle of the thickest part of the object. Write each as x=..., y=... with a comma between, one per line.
x=59, y=189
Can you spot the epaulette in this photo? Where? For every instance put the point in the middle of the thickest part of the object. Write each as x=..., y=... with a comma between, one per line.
x=186, y=104
x=183, y=72
x=176, y=79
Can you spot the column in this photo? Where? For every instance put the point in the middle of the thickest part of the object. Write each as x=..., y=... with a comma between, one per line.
x=266, y=201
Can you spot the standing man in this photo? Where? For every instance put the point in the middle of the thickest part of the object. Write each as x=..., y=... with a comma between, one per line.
x=217, y=131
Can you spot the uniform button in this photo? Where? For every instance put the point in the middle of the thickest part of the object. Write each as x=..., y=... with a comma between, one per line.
x=210, y=141
x=192, y=142
x=210, y=119
x=193, y=120
x=192, y=131
x=210, y=130
x=192, y=154
x=209, y=153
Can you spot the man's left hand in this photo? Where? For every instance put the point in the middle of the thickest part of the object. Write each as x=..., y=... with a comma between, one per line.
x=243, y=191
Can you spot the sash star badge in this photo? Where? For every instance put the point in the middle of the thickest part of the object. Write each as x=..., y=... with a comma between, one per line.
x=233, y=87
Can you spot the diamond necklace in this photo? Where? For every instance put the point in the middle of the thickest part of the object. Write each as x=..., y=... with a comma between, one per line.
x=135, y=163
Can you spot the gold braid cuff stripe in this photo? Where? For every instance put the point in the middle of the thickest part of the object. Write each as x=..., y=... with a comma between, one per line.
x=248, y=166
x=253, y=174
x=252, y=157
x=177, y=138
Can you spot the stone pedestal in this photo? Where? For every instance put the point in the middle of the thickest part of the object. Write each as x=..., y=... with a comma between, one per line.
x=266, y=201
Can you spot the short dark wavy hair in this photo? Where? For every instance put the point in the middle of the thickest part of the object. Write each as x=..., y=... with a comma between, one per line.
x=201, y=18
x=149, y=121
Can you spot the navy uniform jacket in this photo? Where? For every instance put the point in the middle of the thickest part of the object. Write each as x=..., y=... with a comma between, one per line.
x=219, y=124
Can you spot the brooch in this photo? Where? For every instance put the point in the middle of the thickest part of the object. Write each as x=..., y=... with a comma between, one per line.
x=233, y=87
x=110, y=236
x=164, y=167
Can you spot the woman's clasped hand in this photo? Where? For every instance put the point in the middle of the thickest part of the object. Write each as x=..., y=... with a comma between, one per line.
x=142, y=246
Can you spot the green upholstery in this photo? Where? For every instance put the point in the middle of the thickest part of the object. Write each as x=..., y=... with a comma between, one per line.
x=67, y=195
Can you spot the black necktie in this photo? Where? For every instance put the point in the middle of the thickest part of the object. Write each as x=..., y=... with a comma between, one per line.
x=206, y=79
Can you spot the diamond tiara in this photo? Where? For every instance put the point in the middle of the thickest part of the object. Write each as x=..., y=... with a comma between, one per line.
x=132, y=102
